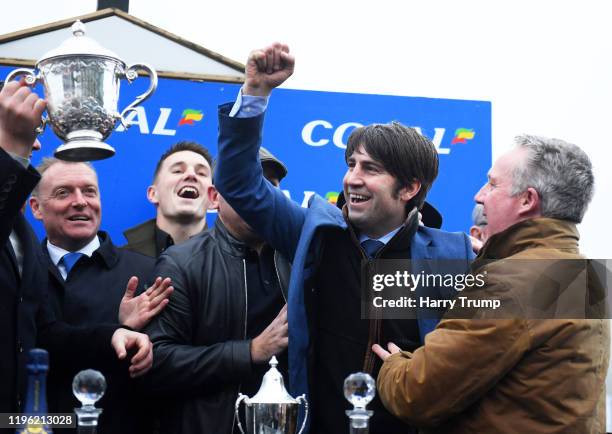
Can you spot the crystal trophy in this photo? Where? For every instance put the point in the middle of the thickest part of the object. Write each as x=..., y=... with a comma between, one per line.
x=36, y=398
x=88, y=386
x=359, y=390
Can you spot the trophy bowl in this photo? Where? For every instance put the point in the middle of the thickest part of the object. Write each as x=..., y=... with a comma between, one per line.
x=272, y=410
x=81, y=82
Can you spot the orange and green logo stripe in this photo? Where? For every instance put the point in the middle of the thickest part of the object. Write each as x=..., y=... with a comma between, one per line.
x=190, y=116
x=462, y=135
x=332, y=197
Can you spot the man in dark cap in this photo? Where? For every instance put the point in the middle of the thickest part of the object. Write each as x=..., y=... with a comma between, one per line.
x=274, y=170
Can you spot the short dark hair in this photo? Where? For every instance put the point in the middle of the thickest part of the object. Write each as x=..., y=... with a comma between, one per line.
x=183, y=145
x=405, y=154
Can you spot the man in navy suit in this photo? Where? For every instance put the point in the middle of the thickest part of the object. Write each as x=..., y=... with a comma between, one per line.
x=25, y=317
x=390, y=169
x=88, y=275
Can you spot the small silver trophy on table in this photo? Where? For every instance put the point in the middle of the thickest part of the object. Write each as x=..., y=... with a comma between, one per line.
x=359, y=390
x=88, y=386
x=81, y=82
x=272, y=410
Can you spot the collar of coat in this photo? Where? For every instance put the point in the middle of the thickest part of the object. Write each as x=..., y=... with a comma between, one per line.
x=399, y=242
x=107, y=253
x=140, y=233
x=543, y=232
x=229, y=244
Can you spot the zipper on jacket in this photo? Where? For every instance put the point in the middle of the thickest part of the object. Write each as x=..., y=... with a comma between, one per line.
x=280, y=284
x=244, y=336
x=375, y=325
x=246, y=297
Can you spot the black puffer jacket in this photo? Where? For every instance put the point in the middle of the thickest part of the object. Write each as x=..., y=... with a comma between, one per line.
x=201, y=355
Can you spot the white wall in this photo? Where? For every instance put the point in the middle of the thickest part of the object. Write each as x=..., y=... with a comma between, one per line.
x=545, y=65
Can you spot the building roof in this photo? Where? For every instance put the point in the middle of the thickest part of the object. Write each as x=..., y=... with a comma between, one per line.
x=134, y=41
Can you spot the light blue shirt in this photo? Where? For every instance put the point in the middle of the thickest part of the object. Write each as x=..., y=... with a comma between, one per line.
x=384, y=239
x=248, y=106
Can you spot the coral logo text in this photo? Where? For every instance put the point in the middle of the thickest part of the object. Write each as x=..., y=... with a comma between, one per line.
x=160, y=122
x=321, y=132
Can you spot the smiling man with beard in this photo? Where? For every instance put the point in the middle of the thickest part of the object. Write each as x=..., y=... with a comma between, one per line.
x=390, y=170
x=179, y=194
x=87, y=283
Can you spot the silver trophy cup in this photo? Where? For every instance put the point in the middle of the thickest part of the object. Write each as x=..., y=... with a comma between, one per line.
x=81, y=84
x=272, y=410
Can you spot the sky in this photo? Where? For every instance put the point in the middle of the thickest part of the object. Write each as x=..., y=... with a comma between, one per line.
x=546, y=66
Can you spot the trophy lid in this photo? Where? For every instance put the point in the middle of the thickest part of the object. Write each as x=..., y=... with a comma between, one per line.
x=79, y=44
x=272, y=389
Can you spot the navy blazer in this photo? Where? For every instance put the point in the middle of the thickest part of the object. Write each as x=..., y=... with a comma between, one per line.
x=20, y=295
x=26, y=320
x=295, y=231
x=91, y=296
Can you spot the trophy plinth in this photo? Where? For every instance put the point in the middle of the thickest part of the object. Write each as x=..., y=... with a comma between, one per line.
x=81, y=80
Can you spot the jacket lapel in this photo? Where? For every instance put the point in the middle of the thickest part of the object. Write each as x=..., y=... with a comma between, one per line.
x=10, y=253
x=421, y=247
x=30, y=257
x=422, y=252
x=53, y=270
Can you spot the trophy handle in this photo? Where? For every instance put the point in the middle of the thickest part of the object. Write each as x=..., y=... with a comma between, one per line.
x=131, y=74
x=31, y=78
x=302, y=398
x=241, y=398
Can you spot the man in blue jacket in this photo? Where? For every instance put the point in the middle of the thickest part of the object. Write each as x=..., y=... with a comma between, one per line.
x=390, y=169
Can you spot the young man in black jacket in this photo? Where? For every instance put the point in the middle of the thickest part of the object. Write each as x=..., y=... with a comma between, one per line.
x=225, y=320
